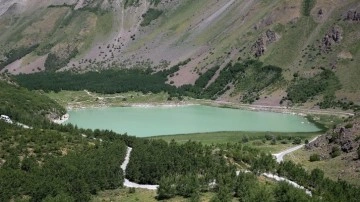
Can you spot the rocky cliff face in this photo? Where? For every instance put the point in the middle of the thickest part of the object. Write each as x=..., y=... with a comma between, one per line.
x=345, y=137
x=332, y=37
x=259, y=47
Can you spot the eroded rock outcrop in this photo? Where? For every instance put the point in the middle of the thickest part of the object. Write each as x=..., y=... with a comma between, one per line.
x=332, y=37
x=346, y=137
x=352, y=15
x=259, y=47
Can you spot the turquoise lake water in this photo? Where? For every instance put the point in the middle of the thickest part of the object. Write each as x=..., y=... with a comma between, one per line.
x=152, y=121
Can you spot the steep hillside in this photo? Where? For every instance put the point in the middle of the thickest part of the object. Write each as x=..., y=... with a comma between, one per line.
x=303, y=38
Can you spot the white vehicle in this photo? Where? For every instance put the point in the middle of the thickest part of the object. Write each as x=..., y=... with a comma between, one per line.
x=6, y=119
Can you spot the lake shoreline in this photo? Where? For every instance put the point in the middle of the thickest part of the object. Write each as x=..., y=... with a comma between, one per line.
x=222, y=104
x=171, y=119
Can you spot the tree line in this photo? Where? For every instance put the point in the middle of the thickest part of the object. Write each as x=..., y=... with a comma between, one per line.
x=27, y=107
x=250, y=77
x=45, y=164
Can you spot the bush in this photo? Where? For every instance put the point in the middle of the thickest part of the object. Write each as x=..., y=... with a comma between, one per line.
x=269, y=136
x=297, y=140
x=306, y=141
x=335, y=152
x=314, y=157
x=150, y=15
x=349, y=125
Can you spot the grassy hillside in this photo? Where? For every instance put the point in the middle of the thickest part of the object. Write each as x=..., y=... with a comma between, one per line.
x=336, y=152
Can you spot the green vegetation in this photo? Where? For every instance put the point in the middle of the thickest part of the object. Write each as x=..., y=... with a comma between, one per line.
x=131, y=3
x=128, y=3
x=106, y=82
x=304, y=89
x=204, y=78
x=335, y=152
x=16, y=54
x=45, y=164
x=307, y=6
x=314, y=157
x=259, y=140
x=113, y=81
x=54, y=63
x=79, y=99
x=249, y=77
x=189, y=169
x=287, y=49
x=149, y=16
x=58, y=162
x=25, y=106
x=330, y=167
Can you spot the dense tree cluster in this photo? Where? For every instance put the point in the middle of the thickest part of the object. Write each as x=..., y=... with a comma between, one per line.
x=249, y=77
x=322, y=188
x=54, y=62
x=25, y=106
x=153, y=159
x=108, y=81
x=47, y=164
x=189, y=169
x=304, y=89
x=63, y=163
x=16, y=54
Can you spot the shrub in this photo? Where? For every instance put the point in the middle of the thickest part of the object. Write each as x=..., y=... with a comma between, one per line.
x=335, y=152
x=245, y=139
x=268, y=136
x=150, y=15
x=314, y=157
x=349, y=125
x=257, y=143
x=297, y=140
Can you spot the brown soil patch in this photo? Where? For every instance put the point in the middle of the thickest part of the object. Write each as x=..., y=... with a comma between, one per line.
x=18, y=66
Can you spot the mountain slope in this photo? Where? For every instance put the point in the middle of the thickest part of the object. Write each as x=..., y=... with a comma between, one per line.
x=301, y=37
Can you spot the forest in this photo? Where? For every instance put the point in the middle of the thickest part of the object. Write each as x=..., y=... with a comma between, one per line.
x=25, y=106
x=54, y=165
x=249, y=77
x=190, y=169
x=53, y=162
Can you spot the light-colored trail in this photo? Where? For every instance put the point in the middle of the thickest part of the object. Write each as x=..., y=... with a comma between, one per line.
x=280, y=156
x=128, y=183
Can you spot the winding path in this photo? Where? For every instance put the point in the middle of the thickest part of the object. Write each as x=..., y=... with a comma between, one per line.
x=279, y=158
x=128, y=183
